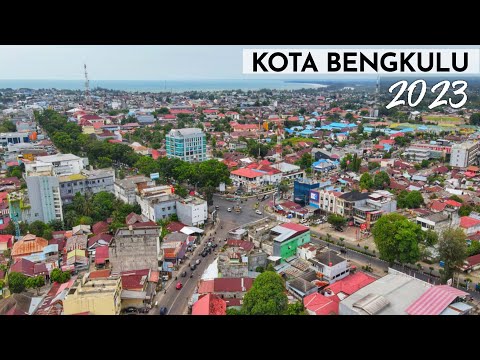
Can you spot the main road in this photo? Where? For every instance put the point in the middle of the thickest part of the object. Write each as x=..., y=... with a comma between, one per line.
x=176, y=301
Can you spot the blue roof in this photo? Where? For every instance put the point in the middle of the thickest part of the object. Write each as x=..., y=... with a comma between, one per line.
x=315, y=113
x=36, y=257
x=50, y=248
x=307, y=132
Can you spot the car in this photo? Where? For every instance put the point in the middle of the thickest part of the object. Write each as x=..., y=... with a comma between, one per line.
x=229, y=209
x=339, y=229
x=258, y=212
x=183, y=274
x=193, y=267
x=165, y=277
x=144, y=310
x=163, y=310
x=217, y=207
x=204, y=253
x=178, y=286
x=198, y=261
x=214, y=246
x=131, y=310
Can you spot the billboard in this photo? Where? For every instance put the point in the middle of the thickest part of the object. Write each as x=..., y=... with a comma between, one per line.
x=154, y=176
x=314, y=196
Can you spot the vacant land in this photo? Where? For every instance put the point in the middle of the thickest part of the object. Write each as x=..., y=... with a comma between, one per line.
x=443, y=119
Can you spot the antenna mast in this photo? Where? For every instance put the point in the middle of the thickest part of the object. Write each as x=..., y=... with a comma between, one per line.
x=87, y=86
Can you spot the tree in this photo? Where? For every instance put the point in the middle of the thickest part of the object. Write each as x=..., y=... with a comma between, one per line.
x=259, y=269
x=360, y=129
x=35, y=283
x=305, y=161
x=57, y=275
x=16, y=282
x=381, y=180
x=453, y=250
x=233, y=311
x=373, y=165
x=424, y=164
x=336, y=220
x=2, y=284
x=430, y=238
x=296, y=308
x=37, y=228
x=366, y=181
x=475, y=119
x=283, y=187
x=410, y=200
x=266, y=296
x=48, y=234
x=56, y=225
x=181, y=191
x=397, y=238
x=465, y=210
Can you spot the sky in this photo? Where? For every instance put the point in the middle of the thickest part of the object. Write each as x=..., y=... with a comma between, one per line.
x=127, y=62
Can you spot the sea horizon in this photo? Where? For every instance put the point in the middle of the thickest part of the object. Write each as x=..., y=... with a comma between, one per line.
x=167, y=85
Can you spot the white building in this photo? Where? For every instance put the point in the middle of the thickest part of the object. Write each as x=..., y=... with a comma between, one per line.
x=331, y=265
x=128, y=188
x=157, y=203
x=192, y=211
x=464, y=154
x=289, y=171
x=63, y=164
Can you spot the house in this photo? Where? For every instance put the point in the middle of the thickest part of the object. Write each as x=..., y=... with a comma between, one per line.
x=81, y=230
x=437, y=222
x=471, y=263
x=226, y=288
x=97, y=296
x=137, y=291
x=470, y=225
x=6, y=242
x=100, y=227
x=102, y=258
x=174, y=247
x=317, y=304
x=209, y=304
x=17, y=304
x=52, y=303
x=97, y=241
x=76, y=242
x=287, y=237
x=28, y=245
x=440, y=300
x=331, y=266
x=29, y=268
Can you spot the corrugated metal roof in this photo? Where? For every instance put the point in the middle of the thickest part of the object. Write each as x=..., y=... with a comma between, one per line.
x=435, y=300
x=372, y=303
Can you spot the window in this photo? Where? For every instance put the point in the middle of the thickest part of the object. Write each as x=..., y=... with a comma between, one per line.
x=63, y=185
x=163, y=209
x=169, y=207
x=69, y=191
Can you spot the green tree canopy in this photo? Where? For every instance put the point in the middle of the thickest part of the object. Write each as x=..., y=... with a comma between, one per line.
x=397, y=238
x=410, y=199
x=475, y=119
x=266, y=296
x=57, y=275
x=453, y=250
x=456, y=198
x=16, y=282
x=336, y=220
x=366, y=181
x=381, y=180
x=305, y=161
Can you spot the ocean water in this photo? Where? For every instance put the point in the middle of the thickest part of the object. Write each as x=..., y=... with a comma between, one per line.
x=162, y=86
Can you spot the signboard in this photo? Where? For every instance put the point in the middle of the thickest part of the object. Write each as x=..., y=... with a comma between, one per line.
x=314, y=196
x=222, y=187
x=363, y=226
x=154, y=176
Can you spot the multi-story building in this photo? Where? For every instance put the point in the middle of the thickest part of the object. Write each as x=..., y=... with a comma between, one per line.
x=301, y=190
x=325, y=200
x=88, y=181
x=289, y=171
x=437, y=222
x=13, y=138
x=135, y=247
x=44, y=198
x=187, y=144
x=128, y=188
x=62, y=164
x=331, y=265
x=417, y=154
x=464, y=154
x=157, y=203
x=192, y=211
x=347, y=201
x=95, y=296
x=378, y=203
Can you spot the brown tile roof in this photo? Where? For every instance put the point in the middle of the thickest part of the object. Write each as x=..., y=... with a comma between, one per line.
x=29, y=244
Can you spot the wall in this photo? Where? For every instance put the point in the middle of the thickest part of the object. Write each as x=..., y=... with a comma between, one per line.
x=256, y=260
x=192, y=214
x=288, y=248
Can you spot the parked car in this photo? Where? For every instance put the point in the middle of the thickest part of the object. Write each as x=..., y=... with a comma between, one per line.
x=258, y=212
x=163, y=310
x=229, y=209
x=144, y=310
x=339, y=229
x=204, y=253
x=131, y=310
x=179, y=286
x=198, y=261
x=183, y=274
x=214, y=245
x=193, y=267
x=217, y=207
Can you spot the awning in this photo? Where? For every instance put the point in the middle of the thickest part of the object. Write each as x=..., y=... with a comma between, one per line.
x=189, y=230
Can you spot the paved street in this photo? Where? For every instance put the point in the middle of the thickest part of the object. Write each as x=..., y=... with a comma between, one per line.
x=176, y=300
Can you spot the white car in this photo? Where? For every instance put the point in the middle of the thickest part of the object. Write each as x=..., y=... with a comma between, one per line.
x=229, y=209
x=258, y=212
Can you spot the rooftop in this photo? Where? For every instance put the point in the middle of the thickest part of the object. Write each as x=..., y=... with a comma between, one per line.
x=57, y=157
x=329, y=256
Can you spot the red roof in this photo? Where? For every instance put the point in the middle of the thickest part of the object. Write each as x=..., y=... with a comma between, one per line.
x=134, y=280
x=205, y=286
x=175, y=226
x=473, y=260
x=435, y=300
x=99, y=274
x=209, y=304
x=95, y=239
x=453, y=203
x=351, y=283
x=101, y=254
x=24, y=266
x=468, y=222
x=438, y=205
x=7, y=239
x=249, y=173
x=320, y=304
x=100, y=227
x=232, y=284
x=246, y=245
x=296, y=227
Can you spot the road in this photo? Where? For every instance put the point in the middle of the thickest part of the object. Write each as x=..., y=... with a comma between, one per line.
x=176, y=301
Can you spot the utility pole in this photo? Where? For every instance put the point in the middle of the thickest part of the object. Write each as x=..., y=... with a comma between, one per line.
x=87, y=86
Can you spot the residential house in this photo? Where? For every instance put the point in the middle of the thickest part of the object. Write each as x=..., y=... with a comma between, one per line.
x=330, y=265
x=28, y=245
x=209, y=304
x=6, y=242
